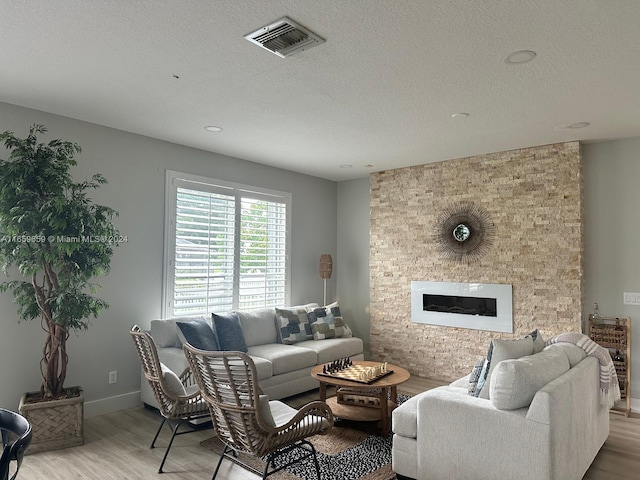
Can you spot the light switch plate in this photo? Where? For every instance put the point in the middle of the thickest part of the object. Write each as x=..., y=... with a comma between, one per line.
x=630, y=298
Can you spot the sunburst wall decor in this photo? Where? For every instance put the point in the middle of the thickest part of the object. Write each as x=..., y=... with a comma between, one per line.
x=464, y=232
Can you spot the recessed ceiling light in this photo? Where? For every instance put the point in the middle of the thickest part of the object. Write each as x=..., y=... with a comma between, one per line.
x=346, y=165
x=213, y=128
x=460, y=115
x=521, y=56
x=573, y=125
x=368, y=165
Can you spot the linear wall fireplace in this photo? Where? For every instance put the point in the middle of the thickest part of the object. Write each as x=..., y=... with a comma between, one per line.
x=479, y=306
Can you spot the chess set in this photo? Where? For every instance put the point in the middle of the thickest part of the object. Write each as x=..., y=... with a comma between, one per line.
x=345, y=369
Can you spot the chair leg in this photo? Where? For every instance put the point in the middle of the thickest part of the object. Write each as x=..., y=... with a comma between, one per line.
x=219, y=462
x=315, y=460
x=153, y=443
x=311, y=452
x=265, y=473
x=173, y=436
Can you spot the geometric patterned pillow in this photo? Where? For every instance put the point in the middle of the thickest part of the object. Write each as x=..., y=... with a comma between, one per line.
x=475, y=376
x=293, y=325
x=327, y=322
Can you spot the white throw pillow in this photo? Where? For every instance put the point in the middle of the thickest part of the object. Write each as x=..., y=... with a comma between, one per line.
x=515, y=382
x=265, y=411
x=503, y=350
x=172, y=381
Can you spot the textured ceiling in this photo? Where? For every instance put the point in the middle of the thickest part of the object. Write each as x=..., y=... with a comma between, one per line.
x=381, y=91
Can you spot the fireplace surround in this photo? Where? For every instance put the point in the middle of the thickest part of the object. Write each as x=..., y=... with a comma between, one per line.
x=478, y=306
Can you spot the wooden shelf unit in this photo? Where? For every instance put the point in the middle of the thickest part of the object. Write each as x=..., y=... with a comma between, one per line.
x=615, y=335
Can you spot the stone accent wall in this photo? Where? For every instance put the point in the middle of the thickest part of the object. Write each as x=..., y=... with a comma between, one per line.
x=534, y=197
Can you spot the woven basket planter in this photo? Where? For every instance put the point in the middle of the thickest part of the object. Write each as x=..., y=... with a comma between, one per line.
x=55, y=424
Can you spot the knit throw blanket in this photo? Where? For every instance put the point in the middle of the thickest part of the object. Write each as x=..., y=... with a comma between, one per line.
x=609, y=387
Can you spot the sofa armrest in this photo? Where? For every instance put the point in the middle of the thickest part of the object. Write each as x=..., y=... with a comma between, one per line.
x=459, y=436
x=570, y=404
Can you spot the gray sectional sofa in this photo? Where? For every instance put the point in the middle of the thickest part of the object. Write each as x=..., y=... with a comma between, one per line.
x=283, y=368
x=542, y=418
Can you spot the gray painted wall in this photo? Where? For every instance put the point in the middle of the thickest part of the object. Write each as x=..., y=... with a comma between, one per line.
x=612, y=233
x=135, y=168
x=353, y=256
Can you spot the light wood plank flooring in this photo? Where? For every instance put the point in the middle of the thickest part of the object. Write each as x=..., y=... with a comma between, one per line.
x=116, y=448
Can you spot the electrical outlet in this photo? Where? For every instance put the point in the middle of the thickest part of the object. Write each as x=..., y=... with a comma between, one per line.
x=113, y=377
x=630, y=298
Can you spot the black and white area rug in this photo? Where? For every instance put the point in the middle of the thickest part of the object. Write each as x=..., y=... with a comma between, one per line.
x=351, y=451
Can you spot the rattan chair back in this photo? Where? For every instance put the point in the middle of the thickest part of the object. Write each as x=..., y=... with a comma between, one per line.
x=172, y=405
x=228, y=383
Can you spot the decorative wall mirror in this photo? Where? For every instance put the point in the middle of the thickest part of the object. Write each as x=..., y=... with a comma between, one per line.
x=464, y=232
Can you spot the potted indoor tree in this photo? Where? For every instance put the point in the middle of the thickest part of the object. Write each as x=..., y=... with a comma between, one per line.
x=53, y=234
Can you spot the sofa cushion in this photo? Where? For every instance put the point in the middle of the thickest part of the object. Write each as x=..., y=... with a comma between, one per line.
x=229, y=332
x=515, y=382
x=264, y=367
x=165, y=332
x=284, y=358
x=282, y=413
x=500, y=350
x=258, y=326
x=198, y=333
x=333, y=348
x=293, y=325
x=574, y=353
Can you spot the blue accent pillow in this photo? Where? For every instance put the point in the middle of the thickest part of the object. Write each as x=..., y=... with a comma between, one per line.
x=229, y=332
x=199, y=334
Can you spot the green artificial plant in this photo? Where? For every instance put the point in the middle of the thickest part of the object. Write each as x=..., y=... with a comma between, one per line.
x=57, y=238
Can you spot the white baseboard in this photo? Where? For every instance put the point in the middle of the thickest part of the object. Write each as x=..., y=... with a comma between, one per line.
x=112, y=404
x=635, y=405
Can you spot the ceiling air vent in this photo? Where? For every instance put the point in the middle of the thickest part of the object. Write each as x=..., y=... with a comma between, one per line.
x=284, y=37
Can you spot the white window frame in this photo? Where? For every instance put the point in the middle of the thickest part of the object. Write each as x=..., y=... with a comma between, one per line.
x=174, y=180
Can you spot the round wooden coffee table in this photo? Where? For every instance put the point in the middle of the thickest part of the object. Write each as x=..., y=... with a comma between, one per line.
x=363, y=402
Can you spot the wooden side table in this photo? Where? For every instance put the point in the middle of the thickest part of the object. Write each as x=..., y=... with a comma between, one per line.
x=363, y=402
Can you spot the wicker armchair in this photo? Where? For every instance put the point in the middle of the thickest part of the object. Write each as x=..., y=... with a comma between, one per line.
x=16, y=437
x=244, y=420
x=178, y=398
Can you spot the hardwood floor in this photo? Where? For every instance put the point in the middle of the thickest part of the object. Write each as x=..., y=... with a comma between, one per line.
x=117, y=448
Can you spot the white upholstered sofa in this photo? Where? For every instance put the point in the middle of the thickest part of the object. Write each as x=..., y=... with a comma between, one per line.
x=279, y=342
x=542, y=419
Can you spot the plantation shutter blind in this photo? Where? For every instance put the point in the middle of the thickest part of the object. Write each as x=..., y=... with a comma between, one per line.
x=230, y=248
x=204, y=252
x=263, y=254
